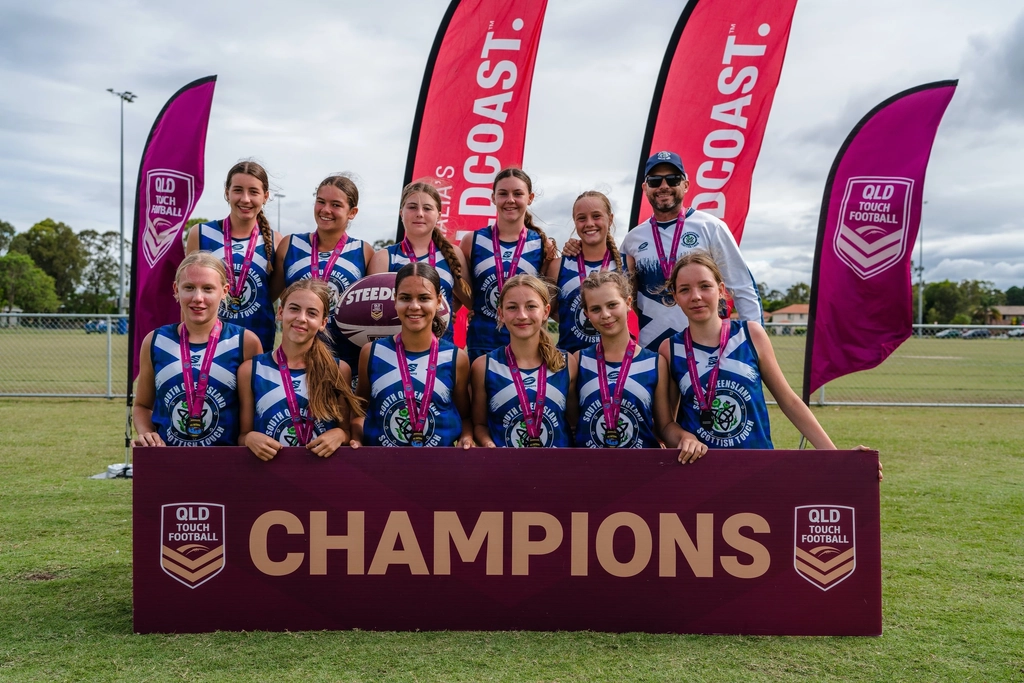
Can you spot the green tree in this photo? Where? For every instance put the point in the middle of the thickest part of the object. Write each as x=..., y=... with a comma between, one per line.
x=380, y=244
x=980, y=297
x=771, y=299
x=25, y=285
x=57, y=250
x=800, y=293
x=98, y=293
x=1015, y=296
x=942, y=301
x=6, y=235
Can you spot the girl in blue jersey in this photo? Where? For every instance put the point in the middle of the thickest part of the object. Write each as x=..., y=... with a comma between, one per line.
x=298, y=395
x=512, y=244
x=524, y=393
x=623, y=387
x=187, y=393
x=250, y=258
x=593, y=218
x=339, y=260
x=417, y=385
x=717, y=367
x=424, y=241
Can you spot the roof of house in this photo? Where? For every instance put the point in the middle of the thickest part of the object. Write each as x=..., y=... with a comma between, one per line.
x=794, y=308
x=1010, y=310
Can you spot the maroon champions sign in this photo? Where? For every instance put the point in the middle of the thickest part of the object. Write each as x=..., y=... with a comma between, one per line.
x=753, y=542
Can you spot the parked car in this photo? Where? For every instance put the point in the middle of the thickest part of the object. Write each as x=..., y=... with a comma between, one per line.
x=977, y=334
x=949, y=334
x=95, y=326
x=1016, y=332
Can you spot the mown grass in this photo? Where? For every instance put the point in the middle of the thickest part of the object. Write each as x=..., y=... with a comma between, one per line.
x=953, y=580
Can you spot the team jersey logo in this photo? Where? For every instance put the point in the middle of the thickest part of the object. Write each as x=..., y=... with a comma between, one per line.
x=170, y=196
x=824, y=544
x=873, y=220
x=377, y=311
x=690, y=239
x=192, y=542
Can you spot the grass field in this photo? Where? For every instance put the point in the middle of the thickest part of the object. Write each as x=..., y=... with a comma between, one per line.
x=953, y=576
x=921, y=371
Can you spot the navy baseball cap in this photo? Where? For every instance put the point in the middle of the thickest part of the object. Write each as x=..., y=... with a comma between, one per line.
x=670, y=158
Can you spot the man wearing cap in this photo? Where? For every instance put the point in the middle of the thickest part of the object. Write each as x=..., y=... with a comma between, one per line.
x=670, y=233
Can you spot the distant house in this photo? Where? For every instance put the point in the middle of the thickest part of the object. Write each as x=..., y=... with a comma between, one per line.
x=794, y=313
x=1006, y=315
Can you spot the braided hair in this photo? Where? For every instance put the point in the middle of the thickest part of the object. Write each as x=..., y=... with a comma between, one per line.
x=259, y=173
x=609, y=240
x=514, y=172
x=438, y=238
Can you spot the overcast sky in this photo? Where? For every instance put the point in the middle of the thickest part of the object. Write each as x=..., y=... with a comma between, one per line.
x=308, y=88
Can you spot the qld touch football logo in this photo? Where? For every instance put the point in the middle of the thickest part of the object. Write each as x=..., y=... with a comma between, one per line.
x=192, y=541
x=170, y=196
x=824, y=544
x=873, y=220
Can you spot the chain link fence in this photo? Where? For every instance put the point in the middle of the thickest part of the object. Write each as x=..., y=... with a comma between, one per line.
x=84, y=356
x=61, y=355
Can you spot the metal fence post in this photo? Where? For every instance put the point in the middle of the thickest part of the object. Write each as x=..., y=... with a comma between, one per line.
x=110, y=383
x=821, y=395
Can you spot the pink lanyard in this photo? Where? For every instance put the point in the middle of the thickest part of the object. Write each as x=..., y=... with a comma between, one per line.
x=237, y=285
x=410, y=253
x=303, y=425
x=666, y=264
x=705, y=398
x=417, y=413
x=534, y=418
x=314, y=258
x=611, y=401
x=195, y=391
x=581, y=265
x=499, y=265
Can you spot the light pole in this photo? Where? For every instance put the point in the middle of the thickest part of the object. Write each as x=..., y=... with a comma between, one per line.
x=278, y=196
x=125, y=96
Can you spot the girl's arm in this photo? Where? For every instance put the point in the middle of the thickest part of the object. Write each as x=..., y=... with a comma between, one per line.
x=367, y=252
x=145, y=398
x=277, y=283
x=572, y=404
x=192, y=241
x=480, y=404
x=379, y=263
x=462, y=402
x=792, y=407
x=363, y=391
x=251, y=345
x=261, y=445
x=674, y=436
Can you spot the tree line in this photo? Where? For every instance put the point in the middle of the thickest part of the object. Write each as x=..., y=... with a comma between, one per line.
x=50, y=268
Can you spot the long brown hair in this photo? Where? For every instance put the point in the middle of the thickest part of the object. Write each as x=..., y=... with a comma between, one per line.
x=553, y=358
x=202, y=259
x=429, y=273
x=327, y=389
x=609, y=240
x=514, y=172
x=440, y=241
x=260, y=174
x=701, y=258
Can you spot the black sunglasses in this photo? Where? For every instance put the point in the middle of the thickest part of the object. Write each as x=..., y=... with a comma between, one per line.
x=672, y=180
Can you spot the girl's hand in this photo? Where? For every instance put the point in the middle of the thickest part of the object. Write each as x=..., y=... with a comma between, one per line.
x=572, y=247
x=550, y=250
x=868, y=448
x=354, y=443
x=690, y=448
x=465, y=442
x=324, y=445
x=149, y=439
x=262, y=446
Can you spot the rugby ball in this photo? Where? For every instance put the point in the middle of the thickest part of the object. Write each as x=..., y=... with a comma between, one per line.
x=366, y=310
